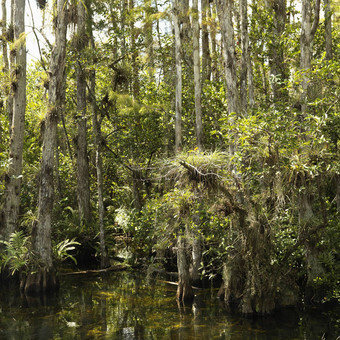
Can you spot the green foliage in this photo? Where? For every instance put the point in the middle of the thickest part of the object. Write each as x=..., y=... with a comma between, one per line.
x=15, y=256
x=62, y=250
x=245, y=195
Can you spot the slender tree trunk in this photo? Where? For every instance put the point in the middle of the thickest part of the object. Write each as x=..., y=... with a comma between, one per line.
x=83, y=182
x=328, y=29
x=184, y=23
x=250, y=75
x=246, y=80
x=214, y=56
x=123, y=10
x=13, y=177
x=206, y=58
x=42, y=276
x=196, y=258
x=197, y=75
x=4, y=35
x=178, y=58
x=134, y=53
x=104, y=259
x=196, y=251
x=4, y=44
x=245, y=55
x=10, y=36
x=278, y=72
x=337, y=197
x=225, y=13
x=149, y=37
x=308, y=29
x=184, y=291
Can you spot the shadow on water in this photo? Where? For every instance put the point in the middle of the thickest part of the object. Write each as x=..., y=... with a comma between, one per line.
x=124, y=306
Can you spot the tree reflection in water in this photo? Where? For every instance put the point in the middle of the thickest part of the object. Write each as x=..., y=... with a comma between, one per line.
x=123, y=306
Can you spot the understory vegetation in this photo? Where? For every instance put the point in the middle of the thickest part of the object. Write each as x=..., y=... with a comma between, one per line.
x=254, y=210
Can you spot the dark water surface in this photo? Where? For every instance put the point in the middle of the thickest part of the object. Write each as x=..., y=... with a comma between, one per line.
x=127, y=306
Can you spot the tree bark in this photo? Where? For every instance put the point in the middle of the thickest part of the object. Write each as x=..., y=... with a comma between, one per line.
x=134, y=53
x=197, y=76
x=185, y=292
x=197, y=246
x=4, y=32
x=178, y=105
x=43, y=278
x=14, y=175
x=337, y=197
x=225, y=13
x=123, y=11
x=278, y=72
x=10, y=38
x=149, y=37
x=184, y=23
x=308, y=29
x=246, y=77
x=328, y=30
x=214, y=54
x=104, y=259
x=206, y=58
x=83, y=182
x=196, y=258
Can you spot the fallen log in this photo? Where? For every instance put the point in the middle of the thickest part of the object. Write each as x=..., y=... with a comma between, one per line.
x=96, y=271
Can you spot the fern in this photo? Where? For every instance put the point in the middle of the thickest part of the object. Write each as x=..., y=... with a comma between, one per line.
x=62, y=249
x=15, y=256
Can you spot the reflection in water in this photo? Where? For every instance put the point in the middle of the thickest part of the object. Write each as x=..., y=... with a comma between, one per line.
x=124, y=306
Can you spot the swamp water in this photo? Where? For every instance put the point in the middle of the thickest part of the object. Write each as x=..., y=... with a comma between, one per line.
x=123, y=305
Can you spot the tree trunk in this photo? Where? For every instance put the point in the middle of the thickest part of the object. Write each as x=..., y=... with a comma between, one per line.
x=196, y=258
x=43, y=278
x=206, y=59
x=225, y=13
x=246, y=82
x=278, y=72
x=337, y=197
x=13, y=177
x=4, y=31
x=196, y=248
x=197, y=75
x=184, y=291
x=104, y=259
x=214, y=54
x=184, y=23
x=149, y=38
x=83, y=185
x=10, y=38
x=178, y=105
x=123, y=11
x=4, y=34
x=134, y=52
x=328, y=29
x=308, y=30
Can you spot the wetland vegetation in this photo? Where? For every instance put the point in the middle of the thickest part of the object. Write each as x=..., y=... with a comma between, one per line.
x=198, y=138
